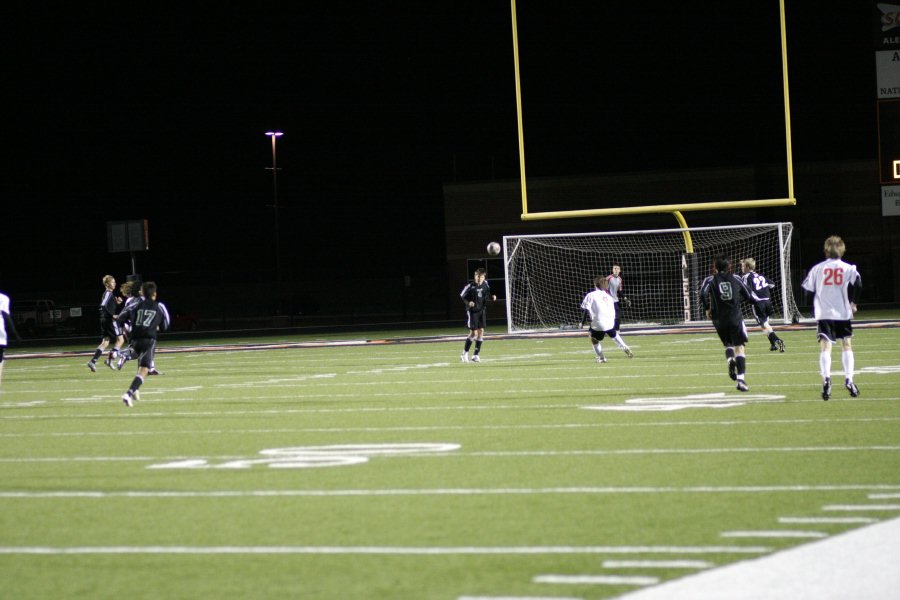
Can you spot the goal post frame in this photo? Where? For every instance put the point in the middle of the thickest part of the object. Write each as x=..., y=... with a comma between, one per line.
x=661, y=208
x=609, y=248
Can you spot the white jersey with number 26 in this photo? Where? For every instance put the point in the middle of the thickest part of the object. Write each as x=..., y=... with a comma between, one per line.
x=829, y=281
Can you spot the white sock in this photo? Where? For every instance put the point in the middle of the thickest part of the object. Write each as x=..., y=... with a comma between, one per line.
x=597, y=350
x=825, y=364
x=618, y=340
x=848, y=362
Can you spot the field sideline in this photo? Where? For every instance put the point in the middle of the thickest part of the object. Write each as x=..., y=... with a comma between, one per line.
x=377, y=465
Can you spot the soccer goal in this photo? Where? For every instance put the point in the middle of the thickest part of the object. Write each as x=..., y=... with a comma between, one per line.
x=547, y=276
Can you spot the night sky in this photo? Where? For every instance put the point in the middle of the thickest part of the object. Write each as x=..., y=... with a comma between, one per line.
x=161, y=115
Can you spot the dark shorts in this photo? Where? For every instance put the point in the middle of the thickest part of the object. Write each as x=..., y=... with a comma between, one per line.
x=2, y=348
x=732, y=333
x=764, y=312
x=834, y=330
x=599, y=335
x=144, y=349
x=109, y=328
x=475, y=319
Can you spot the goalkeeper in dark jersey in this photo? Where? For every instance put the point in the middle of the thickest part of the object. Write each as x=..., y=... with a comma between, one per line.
x=762, y=288
x=147, y=317
x=721, y=295
x=475, y=296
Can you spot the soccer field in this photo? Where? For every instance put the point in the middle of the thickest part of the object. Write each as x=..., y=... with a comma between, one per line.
x=340, y=467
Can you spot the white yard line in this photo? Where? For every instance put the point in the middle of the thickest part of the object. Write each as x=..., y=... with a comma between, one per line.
x=827, y=520
x=597, y=579
x=386, y=550
x=101, y=494
x=657, y=564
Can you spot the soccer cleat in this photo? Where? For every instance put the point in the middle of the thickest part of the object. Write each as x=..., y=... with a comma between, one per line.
x=476, y=359
x=601, y=358
x=742, y=385
x=136, y=395
x=826, y=389
x=126, y=399
x=92, y=366
x=153, y=371
x=778, y=345
x=628, y=352
x=120, y=363
x=851, y=387
x=109, y=363
x=464, y=357
x=732, y=369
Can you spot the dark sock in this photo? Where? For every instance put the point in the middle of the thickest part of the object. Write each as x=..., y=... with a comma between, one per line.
x=729, y=352
x=477, y=347
x=136, y=383
x=741, y=364
x=468, y=344
x=97, y=354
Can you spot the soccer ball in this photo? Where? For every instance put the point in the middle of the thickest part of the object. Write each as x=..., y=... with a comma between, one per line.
x=493, y=248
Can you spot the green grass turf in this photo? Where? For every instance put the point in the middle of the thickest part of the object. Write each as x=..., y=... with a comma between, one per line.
x=534, y=478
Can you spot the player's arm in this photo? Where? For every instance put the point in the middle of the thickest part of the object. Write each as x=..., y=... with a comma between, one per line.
x=464, y=295
x=704, y=295
x=11, y=325
x=165, y=321
x=126, y=316
x=854, y=290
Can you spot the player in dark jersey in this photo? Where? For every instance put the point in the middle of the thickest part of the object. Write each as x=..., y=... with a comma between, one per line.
x=109, y=328
x=721, y=294
x=763, y=310
x=147, y=317
x=475, y=295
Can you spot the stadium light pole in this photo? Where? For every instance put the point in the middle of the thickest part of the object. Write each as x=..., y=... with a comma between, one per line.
x=275, y=135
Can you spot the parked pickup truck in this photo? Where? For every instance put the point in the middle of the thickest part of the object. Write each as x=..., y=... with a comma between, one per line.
x=42, y=316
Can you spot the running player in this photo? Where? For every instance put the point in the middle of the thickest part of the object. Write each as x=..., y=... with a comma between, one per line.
x=835, y=286
x=762, y=287
x=721, y=294
x=599, y=309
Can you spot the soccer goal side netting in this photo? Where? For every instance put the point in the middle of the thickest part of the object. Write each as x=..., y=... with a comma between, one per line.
x=547, y=276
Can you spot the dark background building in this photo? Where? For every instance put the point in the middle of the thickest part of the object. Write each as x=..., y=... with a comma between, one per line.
x=397, y=118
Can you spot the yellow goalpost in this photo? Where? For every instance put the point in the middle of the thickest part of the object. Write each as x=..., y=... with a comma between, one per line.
x=676, y=208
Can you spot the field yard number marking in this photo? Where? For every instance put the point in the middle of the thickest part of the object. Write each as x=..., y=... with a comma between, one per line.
x=714, y=400
x=305, y=457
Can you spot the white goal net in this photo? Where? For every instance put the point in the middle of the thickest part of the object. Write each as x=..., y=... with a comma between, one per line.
x=547, y=276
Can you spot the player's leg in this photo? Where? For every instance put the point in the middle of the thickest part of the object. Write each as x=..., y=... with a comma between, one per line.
x=740, y=367
x=145, y=350
x=849, y=363
x=725, y=335
x=464, y=357
x=104, y=342
x=825, y=343
x=479, y=339
x=617, y=338
x=596, y=339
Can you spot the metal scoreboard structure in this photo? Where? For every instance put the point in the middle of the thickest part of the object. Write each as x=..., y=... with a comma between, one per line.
x=886, y=20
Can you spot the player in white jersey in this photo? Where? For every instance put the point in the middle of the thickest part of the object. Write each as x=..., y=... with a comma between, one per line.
x=835, y=286
x=599, y=308
x=5, y=320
